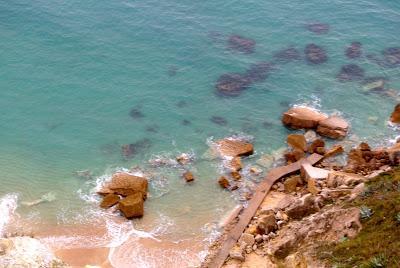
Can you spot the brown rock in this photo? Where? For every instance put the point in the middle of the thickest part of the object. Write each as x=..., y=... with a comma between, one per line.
x=236, y=164
x=316, y=144
x=335, y=150
x=297, y=142
x=312, y=186
x=302, y=117
x=266, y=223
x=395, y=117
x=333, y=127
x=291, y=183
x=302, y=207
x=109, y=201
x=125, y=184
x=188, y=176
x=294, y=156
x=132, y=206
x=236, y=175
x=364, y=146
x=223, y=182
x=228, y=147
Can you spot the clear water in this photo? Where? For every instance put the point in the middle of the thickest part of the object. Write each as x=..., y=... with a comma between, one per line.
x=71, y=71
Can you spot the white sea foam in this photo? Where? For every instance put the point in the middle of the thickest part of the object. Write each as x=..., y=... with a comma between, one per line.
x=8, y=205
x=313, y=102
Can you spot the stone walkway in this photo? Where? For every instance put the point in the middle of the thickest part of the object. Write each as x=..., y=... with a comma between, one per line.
x=218, y=259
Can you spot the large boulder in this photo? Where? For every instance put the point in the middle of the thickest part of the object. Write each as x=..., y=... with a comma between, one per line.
x=395, y=117
x=297, y=142
x=302, y=117
x=125, y=184
x=132, y=206
x=333, y=127
x=233, y=148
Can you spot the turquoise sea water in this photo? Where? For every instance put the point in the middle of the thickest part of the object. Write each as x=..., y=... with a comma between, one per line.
x=71, y=71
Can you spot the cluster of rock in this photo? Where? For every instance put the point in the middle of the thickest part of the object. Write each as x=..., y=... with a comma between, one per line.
x=127, y=191
x=307, y=207
x=306, y=118
x=302, y=208
x=233, y=150
x=293, y=217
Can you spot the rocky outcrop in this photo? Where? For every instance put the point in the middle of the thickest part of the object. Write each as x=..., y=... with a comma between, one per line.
x=233, y=148
x=302, y=117
x=125, y=184
x=129, y=186
x=333, y=127
x=363, y=160
x=132, y=206
x=232, y=84
x=395, y=117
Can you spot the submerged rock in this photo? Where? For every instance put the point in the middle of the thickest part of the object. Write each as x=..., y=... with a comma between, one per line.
x=287, y=55
x=374, y=84
x=315, y=54
x=350, y=72
x=302, y=117
x=258, y=72
x=132, y=206
x=232, y=84
x=241, y=44
x=218, y=120
x=318, y=28
x=392, y=56
x=132, y=149
x=333, y=127
x=135, y=113
x=354, y=50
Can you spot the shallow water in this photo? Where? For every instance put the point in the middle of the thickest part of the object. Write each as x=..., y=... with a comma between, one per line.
x=73, y=71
